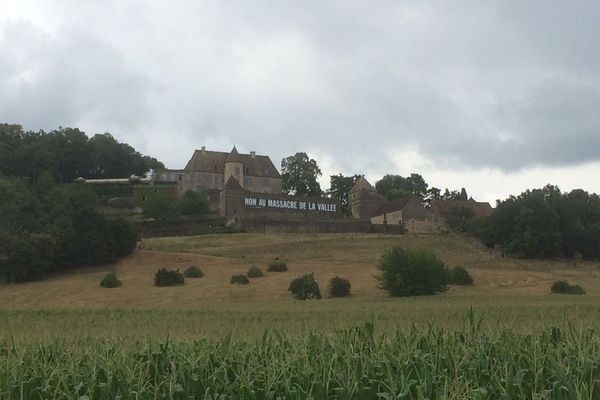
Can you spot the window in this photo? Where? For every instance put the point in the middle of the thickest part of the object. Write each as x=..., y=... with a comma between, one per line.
x=237, y=172
x=215, y=168
x=266, y=182
x=180, y=178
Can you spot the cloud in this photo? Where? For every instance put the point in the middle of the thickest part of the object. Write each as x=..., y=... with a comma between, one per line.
x=67, y=78
x=461, y=86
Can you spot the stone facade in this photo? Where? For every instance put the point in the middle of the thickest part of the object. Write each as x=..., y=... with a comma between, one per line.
x=237, y=203
x=364, y=200
x=207, y=172
x=409, y=212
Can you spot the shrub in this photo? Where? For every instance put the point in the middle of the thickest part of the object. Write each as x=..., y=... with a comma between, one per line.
x=193, y=272
x=110, y=281
x=563, y=287
x=460, y=276
x=254, y=272
x=192, y=203
x=165, y=277
x=239, y=279
x=277, y=266
x=339, y=287
x=411, y=272
x=305, y=287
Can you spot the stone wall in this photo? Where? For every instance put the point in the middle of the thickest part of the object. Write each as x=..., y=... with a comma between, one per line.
x=185, y=227
x=236, y=204
x=312, y=226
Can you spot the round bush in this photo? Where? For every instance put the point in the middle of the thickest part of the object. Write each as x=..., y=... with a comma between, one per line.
x=110, y=281
x=239, y=279
x=563, y=287
x=193, y=272
x=277, y=266
x=411, y=272
x=339, y=287
x=460, y=276
x=254, y=272
x=305, y=287
x=165, y=277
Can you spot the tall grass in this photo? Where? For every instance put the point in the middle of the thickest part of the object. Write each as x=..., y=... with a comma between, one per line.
x=356, y=363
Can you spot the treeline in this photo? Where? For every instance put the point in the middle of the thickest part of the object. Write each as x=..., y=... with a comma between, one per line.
x=48, y=224
x=544, y=223
x=68, y=153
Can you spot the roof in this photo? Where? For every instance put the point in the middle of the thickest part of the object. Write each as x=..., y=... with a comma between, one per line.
x=214, y=161
x=394, y=205
x=233, y=184
x=480, y=209
x=233, y=156
x=362, y=184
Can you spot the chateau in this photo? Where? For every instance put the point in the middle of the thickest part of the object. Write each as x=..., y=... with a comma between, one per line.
x=246, y=190
x=208, y=172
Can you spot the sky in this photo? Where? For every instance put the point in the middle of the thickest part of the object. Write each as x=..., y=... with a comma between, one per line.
x=493, y=96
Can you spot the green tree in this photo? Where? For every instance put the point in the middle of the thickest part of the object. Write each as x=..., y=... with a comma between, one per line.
x=459, y=217
x=411, y=272
x=160, y=206
x=299, y=175
x=339, y=188
x=192, y=203
x=394, y=186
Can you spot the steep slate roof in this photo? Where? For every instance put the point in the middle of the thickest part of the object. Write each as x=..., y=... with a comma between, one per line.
x=480, y=209
x=234, y=156
x=233, y=184
x=394, y=205
x=214, y=161
x=362, y=184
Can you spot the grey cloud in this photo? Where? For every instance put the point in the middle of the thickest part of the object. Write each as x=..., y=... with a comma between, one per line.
x=505, y=85
x=66, y=78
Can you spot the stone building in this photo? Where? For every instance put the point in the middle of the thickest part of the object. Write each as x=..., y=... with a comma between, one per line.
x=367, y=204
x=208, y=171
x=409, y=212
x=364, y=200
x=442, y=209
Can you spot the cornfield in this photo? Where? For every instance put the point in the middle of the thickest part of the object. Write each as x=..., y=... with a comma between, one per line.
x=431, y=363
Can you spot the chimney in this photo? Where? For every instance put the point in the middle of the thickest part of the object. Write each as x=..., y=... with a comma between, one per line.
x=203, y=149
x=253, y=154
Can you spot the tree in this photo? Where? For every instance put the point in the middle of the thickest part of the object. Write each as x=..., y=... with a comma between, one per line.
x=433, y=193
x=299, y=175
x=305, y=287
x=411, y=272
x=340, y=187
x=394, y=186
x=455, y=194
x=67, y=153
x=192, y=203
x=160, y=206
x=459, y=217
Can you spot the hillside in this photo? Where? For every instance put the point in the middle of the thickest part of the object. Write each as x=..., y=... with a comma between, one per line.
x=353, y=256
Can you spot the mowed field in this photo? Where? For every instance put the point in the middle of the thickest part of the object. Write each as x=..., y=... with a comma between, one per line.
x=509, y=292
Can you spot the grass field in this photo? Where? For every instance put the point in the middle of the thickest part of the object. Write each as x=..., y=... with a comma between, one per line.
x=511, y=293
x=505, y=337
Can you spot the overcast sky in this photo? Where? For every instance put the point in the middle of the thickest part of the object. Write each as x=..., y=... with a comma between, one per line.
x=496, y=96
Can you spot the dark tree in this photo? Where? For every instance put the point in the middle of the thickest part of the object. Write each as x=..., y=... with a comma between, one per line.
x=300, y=175
x=411, y=272
x=192, y=203
x=394, y=186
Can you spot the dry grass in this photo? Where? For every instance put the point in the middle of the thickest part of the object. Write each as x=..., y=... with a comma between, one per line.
x=510, y=291
x=221, y=256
